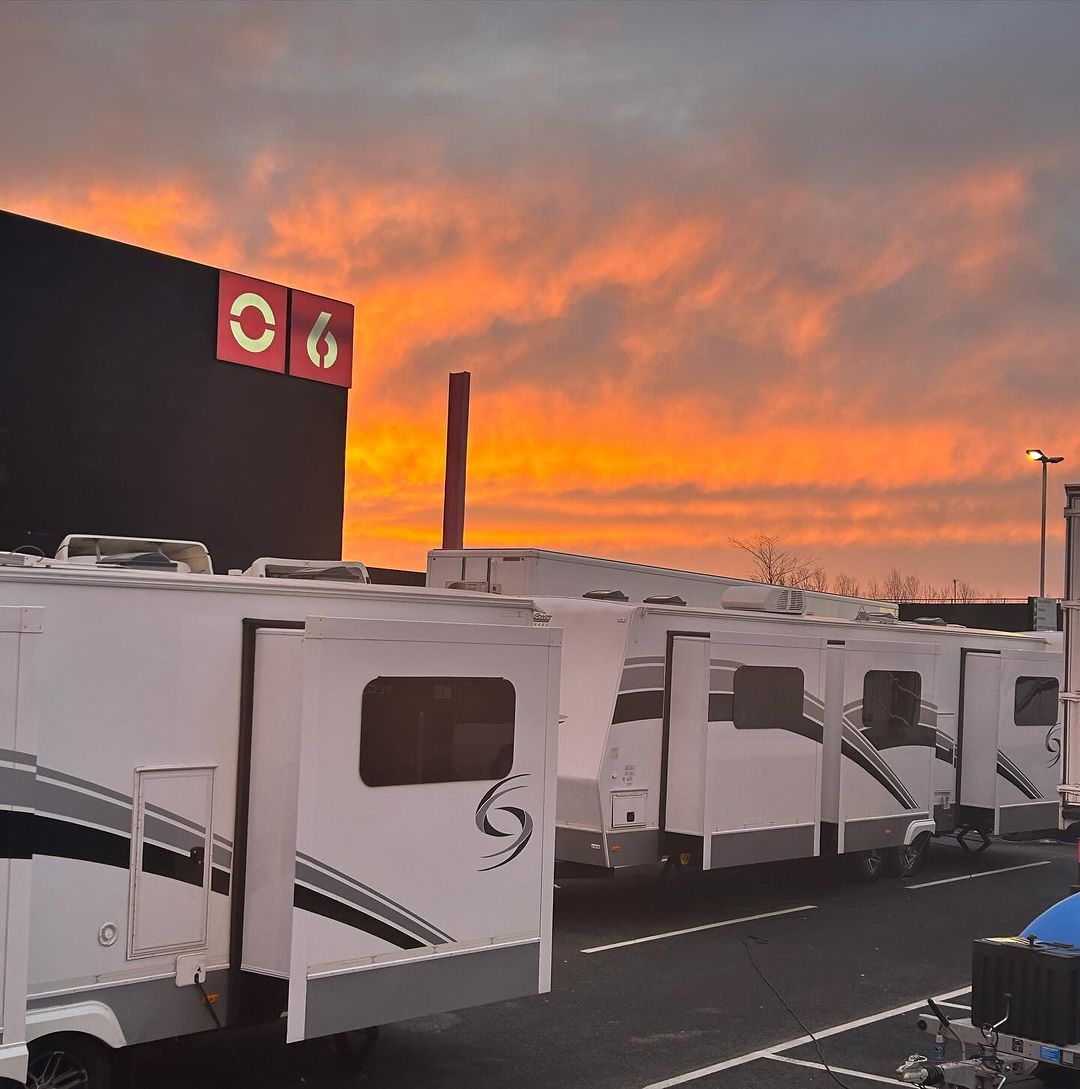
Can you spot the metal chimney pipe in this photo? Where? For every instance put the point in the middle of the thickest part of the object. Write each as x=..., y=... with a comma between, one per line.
x=457, y=444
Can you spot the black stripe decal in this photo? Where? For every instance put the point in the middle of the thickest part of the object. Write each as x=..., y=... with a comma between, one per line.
x=309, y=900
x=853, y=754
x=23, y=835
x=1013, y=775
x=634, y=706
x=722, y=709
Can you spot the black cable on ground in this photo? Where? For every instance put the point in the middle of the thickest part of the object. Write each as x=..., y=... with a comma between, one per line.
x=783, y=1002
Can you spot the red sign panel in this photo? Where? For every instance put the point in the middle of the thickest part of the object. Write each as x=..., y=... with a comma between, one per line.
x=251, y=322
x=321, y=339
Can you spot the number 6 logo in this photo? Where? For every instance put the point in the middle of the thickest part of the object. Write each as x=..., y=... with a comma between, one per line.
x=318, y=336
x=320, y=339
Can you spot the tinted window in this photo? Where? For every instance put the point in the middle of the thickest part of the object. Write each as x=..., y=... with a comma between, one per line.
x=1036, y=702
x=768, y=697
x=436, y=730
x=891, y=700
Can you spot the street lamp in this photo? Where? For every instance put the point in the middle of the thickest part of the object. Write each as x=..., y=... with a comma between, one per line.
x=1038, y=455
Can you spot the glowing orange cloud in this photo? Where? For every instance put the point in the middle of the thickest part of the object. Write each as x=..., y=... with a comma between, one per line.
x=625, y=454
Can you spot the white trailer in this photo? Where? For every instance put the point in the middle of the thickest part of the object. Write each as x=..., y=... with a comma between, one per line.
x=229, y=797
x=1070, y=789
x=534, y=572
x=732, y=736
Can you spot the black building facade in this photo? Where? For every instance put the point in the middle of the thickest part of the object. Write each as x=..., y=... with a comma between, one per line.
x=117, y=416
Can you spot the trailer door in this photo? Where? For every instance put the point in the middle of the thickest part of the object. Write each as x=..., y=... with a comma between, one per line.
x=977, y=737
x=425, y=831
x=760, y=755
x=1029, y=742
x=889, y=741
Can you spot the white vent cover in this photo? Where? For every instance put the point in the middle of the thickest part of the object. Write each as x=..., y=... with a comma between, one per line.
x=765, y=599
x=86, y=548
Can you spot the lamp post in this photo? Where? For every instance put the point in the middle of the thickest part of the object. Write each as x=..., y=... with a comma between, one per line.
x=1038, y=455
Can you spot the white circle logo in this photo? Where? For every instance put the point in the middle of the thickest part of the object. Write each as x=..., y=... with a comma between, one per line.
x=259, y=343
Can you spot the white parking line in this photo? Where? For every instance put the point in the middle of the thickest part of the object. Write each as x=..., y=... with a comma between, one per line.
x=767, y=1052
x=835, y=1069
x=954, y=1005
x=972, y=876
x=698, y=929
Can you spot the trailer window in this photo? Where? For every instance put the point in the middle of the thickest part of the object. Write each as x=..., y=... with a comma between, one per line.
x=767, y=698
x=891, y=700
x=436, y=730
x=1036, y=701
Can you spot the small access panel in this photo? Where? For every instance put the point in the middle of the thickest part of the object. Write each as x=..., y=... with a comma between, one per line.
x=170, y=861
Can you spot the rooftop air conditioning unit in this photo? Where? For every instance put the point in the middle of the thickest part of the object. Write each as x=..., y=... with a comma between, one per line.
x=765, y=599
x=147, y=553
x=271, y=567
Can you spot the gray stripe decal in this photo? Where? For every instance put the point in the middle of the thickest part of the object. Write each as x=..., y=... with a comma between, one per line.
x=20, y=787
x=63, y=777
x=59, y=801
x=159, y=831
x=342, y=891
x=642, y=677
x=378, y=895
x=150, y=808
x=12, y=756
x=17, y=787
x=221, y=857
x=855, y=738
x=643, y=660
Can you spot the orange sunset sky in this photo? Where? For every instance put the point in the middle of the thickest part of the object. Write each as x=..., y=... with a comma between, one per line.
x=801, y=269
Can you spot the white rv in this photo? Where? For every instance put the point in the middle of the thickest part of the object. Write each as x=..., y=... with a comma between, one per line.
x=780, y=724
x=1070, y=790
x=528, y=572
x=229, y=797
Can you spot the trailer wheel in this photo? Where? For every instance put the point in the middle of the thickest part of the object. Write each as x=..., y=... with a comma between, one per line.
x=904, y=861
x=869, y=865
x=69, y=1061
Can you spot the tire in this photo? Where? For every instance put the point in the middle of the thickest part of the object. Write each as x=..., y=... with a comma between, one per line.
x=69, y=1061
x=904, y=861
x=868, y=866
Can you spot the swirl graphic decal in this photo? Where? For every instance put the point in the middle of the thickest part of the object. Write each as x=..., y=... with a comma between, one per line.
x=525, y=822
x=1053, y=747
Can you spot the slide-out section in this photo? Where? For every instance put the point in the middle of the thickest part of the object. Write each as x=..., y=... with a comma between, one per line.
x=888, y=724
x=744, y=747
x=1009, y=741
x=400, y=852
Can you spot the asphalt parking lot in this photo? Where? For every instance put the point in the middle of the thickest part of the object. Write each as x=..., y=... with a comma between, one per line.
x=854, y=962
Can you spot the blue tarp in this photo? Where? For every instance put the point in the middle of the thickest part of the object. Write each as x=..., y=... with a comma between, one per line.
x=1059, y=925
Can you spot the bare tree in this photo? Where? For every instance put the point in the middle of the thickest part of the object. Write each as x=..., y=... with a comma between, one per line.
x=847, y=585
x=773, y=563
x=816, y=578
x=778, y=566
x=965, y=591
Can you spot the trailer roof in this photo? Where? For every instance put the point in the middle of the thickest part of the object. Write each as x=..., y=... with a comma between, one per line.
x=862, y=626
x=135, y=578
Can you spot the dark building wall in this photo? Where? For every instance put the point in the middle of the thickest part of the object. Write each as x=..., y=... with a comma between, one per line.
x=996, y=616
x=117, y=418
x=393, y=576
